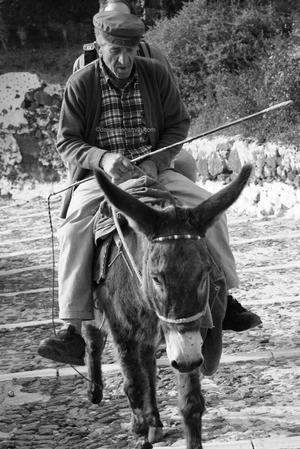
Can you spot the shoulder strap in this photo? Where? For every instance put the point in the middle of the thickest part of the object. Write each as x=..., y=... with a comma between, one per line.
x=144, y=50
x=90, y=53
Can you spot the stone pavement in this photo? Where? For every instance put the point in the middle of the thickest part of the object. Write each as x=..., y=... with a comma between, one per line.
x=252, y=401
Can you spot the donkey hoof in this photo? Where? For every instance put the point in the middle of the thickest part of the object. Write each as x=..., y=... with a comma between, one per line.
x=146, y=445
x=139, y=424
x=155, y=434
x=95, y=395
x=139, y=428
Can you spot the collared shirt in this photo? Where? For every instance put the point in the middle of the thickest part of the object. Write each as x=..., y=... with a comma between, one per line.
x=122, y=128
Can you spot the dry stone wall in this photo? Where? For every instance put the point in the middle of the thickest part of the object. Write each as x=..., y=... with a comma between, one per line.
x=29, y=114
x=221, y=158
x=274, y=190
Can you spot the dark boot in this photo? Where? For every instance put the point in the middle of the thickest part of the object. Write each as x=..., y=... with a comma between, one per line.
x=65, y=347
x=237, y=318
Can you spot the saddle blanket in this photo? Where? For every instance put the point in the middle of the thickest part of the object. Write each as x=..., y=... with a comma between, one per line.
x=145, y=189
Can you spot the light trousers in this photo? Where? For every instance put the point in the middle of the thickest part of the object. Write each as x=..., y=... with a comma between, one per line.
x=76, y=240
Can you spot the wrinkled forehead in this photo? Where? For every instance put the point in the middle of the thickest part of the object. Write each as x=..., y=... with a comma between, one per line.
x=116, y=48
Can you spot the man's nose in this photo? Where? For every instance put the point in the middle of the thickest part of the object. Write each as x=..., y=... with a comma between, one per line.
x=123, y=58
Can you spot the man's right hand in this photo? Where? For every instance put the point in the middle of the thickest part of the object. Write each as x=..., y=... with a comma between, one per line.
x=117, y=166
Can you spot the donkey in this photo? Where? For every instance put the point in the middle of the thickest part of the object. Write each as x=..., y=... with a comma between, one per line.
x=169, y=250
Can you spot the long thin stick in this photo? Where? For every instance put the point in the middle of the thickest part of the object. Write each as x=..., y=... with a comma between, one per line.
x=190, y=139
x=219, y=128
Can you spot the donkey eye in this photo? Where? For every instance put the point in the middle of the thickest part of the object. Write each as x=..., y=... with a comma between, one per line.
x=156, y=279
x=203, y=286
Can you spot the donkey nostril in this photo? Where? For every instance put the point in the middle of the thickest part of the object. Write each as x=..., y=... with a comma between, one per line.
x=186, y=367
x=174, y=364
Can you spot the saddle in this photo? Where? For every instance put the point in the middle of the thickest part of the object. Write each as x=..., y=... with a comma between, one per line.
x=144, y=188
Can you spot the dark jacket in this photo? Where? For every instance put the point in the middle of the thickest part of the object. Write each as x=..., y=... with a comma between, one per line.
x=165, y=116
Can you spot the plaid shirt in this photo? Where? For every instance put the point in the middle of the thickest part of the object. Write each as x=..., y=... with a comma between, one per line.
x=122, y=128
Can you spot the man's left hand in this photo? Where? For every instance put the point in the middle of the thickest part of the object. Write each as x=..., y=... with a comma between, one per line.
x=149, y=168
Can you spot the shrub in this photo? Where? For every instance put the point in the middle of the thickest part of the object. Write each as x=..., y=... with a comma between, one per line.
x=272, y=79
x=230, y=61
x=202, y=41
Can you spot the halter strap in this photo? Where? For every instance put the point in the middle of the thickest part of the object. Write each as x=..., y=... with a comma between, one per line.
x=167, y=238
x=189, y=319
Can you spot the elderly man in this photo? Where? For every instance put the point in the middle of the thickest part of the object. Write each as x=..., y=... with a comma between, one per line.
x=184, y=161
x=115, y=109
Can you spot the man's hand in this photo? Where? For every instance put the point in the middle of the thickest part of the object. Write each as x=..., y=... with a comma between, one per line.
x=117, y=166
x=149, y=168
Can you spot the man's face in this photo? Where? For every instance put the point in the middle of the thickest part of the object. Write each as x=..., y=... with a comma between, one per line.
x=119, y=59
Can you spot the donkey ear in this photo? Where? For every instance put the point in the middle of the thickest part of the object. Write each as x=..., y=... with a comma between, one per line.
x=144, y=216
x=208, y=211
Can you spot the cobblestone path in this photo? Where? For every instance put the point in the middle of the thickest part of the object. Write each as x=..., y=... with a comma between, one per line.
x=253, y=399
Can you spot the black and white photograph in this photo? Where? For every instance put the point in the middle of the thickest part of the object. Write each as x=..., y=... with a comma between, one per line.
x=150, y=224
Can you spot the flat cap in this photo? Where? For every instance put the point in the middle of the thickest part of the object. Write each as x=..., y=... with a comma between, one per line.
x=119, y=28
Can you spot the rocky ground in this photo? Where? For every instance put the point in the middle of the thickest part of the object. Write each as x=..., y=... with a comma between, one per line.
x=254, y=395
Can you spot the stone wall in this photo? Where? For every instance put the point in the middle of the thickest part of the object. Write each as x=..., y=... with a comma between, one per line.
x=275, y=181
x=29, y=113
x=221, y=158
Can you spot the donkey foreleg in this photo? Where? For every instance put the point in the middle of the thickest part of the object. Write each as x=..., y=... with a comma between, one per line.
x=151, y=412
x=135, y=383
x=95, y=342
x=191, y=406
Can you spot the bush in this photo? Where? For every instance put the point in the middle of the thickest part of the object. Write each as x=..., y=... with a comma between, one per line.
x=230, y=61
x=202, y=41
x=272, y=79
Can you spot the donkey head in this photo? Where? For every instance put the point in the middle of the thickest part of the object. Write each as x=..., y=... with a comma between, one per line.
x=176, y=263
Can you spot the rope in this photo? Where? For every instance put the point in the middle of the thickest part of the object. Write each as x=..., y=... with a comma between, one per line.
x=159, y=239
x=191, y=139
x=53, y=261
x=127, y=251
x=53, y=287
x=133, y=266
x=182, y=142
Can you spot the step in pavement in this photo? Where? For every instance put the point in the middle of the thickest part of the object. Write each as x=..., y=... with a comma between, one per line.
x=162, y=362
x=257, y=443
x=279, y=267
x=270, y=356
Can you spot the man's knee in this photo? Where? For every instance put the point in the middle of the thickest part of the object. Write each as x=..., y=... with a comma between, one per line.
x=186, y=165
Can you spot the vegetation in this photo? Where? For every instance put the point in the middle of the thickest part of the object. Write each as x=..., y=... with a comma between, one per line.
x=232, y=59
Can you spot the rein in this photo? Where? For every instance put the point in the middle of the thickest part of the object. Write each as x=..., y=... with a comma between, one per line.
x=198, y=136
x=126, y=249
x=132, y=263
x=53, y=288
x=160, y=239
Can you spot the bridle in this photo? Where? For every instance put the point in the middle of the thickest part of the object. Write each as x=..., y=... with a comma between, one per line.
x=159, y=239
x=189, y=319
x=167, y=238
x=133, y=265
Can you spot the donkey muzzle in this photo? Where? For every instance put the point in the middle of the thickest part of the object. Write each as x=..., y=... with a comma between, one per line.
x=184, y=350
